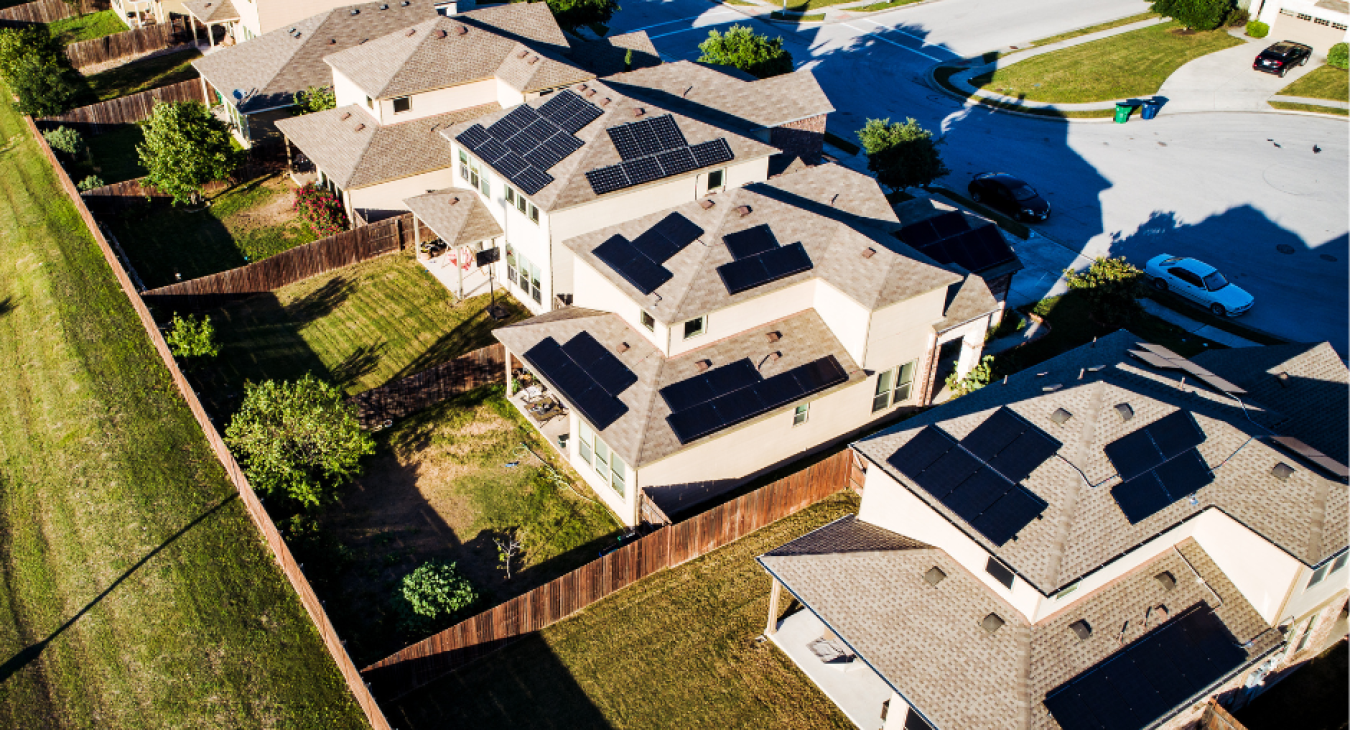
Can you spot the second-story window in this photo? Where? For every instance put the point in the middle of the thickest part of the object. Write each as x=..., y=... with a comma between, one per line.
x=893, y=386
x=716, y=179
x=648, y=321
x=525, y=207
x=800, y=415
x=472, y=172
x=522, y=273
x=370, y=103
x=696, y=327
x=402, y=104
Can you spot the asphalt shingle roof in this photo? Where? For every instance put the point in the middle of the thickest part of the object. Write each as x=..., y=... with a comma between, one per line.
x=212, y=11
x=927, y=640
x=606, y=56
x=457, y=216
x=1083, y=528
x=723, y=96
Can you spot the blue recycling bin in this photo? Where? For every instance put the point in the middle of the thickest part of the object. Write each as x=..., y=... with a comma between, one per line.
x=1150, y=109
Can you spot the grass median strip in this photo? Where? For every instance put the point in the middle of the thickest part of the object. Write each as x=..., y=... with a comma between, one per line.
x=874, y=7
x=1323, y=82
x=1094, y=29
x=943, y=75
x=1314, y=108
x=137, y=592
x=1122, y=66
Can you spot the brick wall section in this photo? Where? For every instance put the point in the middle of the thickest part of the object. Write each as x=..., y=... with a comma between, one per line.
x=804, y=138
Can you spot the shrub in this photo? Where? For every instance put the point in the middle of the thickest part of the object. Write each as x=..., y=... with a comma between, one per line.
x=1237, y=17
x=64, y=139
x=978, y=377
x=1196, y=14
x=574, y=13
x=432, y=592
x=185, y=148
x=742, y=48
x=321, y=209
x=1257, y=29
x=299, y=438
x=902, y=155
x=43, y=85
x=1338, y=56
x=90, y=182
x=315, y=99
x=192, y=338
x=25, y=42
x=1112, y=288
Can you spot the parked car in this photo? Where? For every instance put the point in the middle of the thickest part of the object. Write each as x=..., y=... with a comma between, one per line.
x=1282, y=56
x=1009, y=194
x=1198, y=282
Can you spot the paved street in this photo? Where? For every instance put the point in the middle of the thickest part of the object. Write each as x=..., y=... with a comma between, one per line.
x=1211, y=185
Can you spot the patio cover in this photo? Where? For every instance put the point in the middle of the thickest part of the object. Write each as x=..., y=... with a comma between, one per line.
x=455, y=215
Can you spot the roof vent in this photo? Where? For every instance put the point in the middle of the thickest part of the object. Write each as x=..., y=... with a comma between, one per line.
x=346, y=116
x=590, y=93
x=1166, y=580
x=454, y=200
x=362, y=41
x=706, y=203
x=605, y=101
x=534, y=60
x=1042, y=374
x=356, y=11
x=461, y=30
x=1082, y=629
x=1282, y=379
x=332, y=41
x=405, y=3
x=869, y=253
x=523, y=53
x=384, y=6
x=774, y=336
x=440, y=33
x=1052, y=388
x=638, y=111
x=582, y=87
x=775, y=356
x=291, y=31
x=1124, y=411
x=934, y=576
x=411, y=32
x=992, y=623
x=703, y=365
x=1060, y=416
x=297, y=36
x=744, y=210
x=623, y=347
x=1282, y=471
x=360, y=127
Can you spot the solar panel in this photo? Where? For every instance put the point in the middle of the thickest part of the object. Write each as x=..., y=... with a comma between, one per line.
x=1140, y=497
x=1001, y=428
x=521, y=143
x=750, y=242
x=569, y=111
x=1027, y=452
x=607, y=179
x=526, y=142
x=625, y=140
x=642, y=170
x=541, y=130
x=739, y=393
x=712, y=153
x=640, y=271
x=492, y=150
x=580, y=117
x=977, y=493
x=1184, y=475
x=511, y=124
x=1148, y=678
x=511, y=165
x=473, y=137
x=748, y=273
x=921, y=451
x=733, y=375
x=573, y=370
x=1002, y=520
x=1175, y=433
x=1313, y=455
x=676, y=161
x=947, y=473
x=680, y=231
x=949, y=224
x=532, y=180
x=919, y=234
x=645, y=135
x=603, y=367
x=667, y=132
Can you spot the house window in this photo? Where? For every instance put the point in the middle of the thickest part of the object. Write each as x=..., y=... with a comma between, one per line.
x=1001, y=572
x=695, y=327
x=1318, y=575
x=800, y=415
x=716, y=179
x=511, y=264
x=525, y=207
x=472, y=172
x=403, y=104
x=1307, y=634
x=370, y=103
x=893, y=386
x=596, y=453
x=647, y=320
x=524, y=274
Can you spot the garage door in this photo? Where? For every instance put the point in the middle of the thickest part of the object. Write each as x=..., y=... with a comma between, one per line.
x=1320, y=33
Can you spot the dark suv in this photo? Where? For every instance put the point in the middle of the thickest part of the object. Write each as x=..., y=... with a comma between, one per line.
x=1281, y=57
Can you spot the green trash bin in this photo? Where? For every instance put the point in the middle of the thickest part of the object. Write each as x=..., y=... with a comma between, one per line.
x=1123, y=113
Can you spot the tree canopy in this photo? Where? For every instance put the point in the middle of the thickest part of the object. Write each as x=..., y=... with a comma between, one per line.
x=315, y=99
x=1196, y=14
x=902, y=155
x=573, y=13
x=742, y=48
x=298, y=438
x=433, y=591
x=1112, y=288
x=185, y=148
x=191, y=338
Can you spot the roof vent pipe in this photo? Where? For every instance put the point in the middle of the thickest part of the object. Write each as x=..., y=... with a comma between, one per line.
x=1282, y=471
x=623, y=347
x=638, y=111
x=706, y=203
x=869, y=253
x=744, y=210
x=461, y=30
x=703, y=365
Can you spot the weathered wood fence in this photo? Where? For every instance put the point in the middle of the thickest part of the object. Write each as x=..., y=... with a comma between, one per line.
x=255, y=509
x=134, y=42
x=404, y=397
x=416, y=665
x=288, y=267
x=1217, y=718
x=47, y=11
x=93, y=119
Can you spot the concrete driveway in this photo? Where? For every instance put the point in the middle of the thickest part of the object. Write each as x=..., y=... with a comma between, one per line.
x=1225, y=81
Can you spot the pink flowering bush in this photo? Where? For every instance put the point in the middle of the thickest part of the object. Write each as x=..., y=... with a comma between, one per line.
x=321, y=209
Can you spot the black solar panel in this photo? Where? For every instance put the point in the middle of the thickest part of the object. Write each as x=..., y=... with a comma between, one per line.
x=1003, y=519
x=667, y=132
x=474, y=137
x=1027, y=451
x=947, y=473
x=624, y=137
x=511, y=165
x=569, y=111
x=920, y=234
x=676, y=161
x=1001, y=428
x=526, y=142
x=642, y=170
x=652, y=149
x=608, y=179
x=587, y=376
x=949, y=224
x=580, y=117
x=750, y=242
x=1147, y=679
x=748, y=273
x=976, y=494
x=522, y=143
x=598, y=362
x=677, y=229
x=645, y=136
x=1150, y=492
x=921, y=451
x=492, y=150
x=621, y=256
x=712, y=153
x=741, y=394
x=531, y=180
x=948, y=239
x=511, y=124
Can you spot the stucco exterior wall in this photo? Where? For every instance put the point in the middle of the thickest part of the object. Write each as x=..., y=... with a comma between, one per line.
x=733, y=320
x=594, y=291
x=507, y=96
x=381, y=199
x=249, y=16
x=1303, y=599
x=900, y=333
x=347, y=92
x=440, y=101
x=847, y=319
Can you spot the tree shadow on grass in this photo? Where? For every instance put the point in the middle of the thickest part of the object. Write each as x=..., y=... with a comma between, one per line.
x=321, y=302
x=357, y=365
x=468, y=335
x=23, y=658
x=6, y=306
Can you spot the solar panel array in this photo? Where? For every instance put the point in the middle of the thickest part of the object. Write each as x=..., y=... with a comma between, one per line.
x=587, y=375
x=759, y=259
x=525, y=143
x=1144, y=681
x=1158, y=465
x=949, y=239
x=652, y=149
x=736, y=392
x=1316, y=457
x=1161, y=357
x=977, y=477
x=640, y=261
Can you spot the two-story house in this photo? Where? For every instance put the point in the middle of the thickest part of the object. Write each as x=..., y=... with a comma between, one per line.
x=1106, y=540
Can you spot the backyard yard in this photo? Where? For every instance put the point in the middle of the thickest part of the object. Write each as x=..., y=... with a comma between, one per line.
x=86, y=27
x=443, y=485
x=111, y=156
x=138, y=76
x=248, y=222
x=675, y=650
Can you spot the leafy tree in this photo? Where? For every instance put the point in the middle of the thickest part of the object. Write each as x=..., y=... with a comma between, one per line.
x=192, y=338
x=315, y=99
x=64, y=139
x=978, y=377
x=1338, y=56
x=434, y=591
x=30, y=40
x=742, y=48
x=573, y=13
x=1195, y=14
x=902, y=155
x=185, y=148
x=300, y=438
x=1112, y=288
x=90, y=182
x=44, y=86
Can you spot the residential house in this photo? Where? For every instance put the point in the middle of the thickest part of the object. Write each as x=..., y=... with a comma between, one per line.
x=1318, y=23
x=713, y=341
x=1106, y=540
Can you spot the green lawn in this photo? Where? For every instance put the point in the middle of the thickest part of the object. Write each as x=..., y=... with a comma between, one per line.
x=812, y=18
x=943, y=74
x=874, y=7
x=1119, y=67
x=1315, y=108
x=1323, y=82
x=438, y=489
x=87, y=27
x=1094, y=29
x=359, y=327
x=138, y=76
x=675, y=650
x=248, y=222
x=136, y=592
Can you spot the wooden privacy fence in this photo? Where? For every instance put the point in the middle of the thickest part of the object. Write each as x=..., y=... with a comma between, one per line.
x=278, y=547
x=135, y=42
x=431, y=386
x=47, y=11
x=94, y=118
x=288, y=267
x=1217, y=718
x=416, y=665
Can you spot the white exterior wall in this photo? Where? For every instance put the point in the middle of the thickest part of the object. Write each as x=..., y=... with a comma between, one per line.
x=594, y=291
x=733, y=320
x=507, y=96
x=390, y=195
x=1304, y=599
x=347, y=92
x=441, y=101
x=900, y=333
x=248, y=16
x=846, y=318
x=1285, y=27
x=623, y=506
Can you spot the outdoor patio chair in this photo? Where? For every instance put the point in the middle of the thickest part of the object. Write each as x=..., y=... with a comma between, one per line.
x=532, y=393
x=830, y=652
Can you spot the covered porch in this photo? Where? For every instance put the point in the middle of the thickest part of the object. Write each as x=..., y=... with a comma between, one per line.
x=456, y=237
x=210, y=14
x=857, y=690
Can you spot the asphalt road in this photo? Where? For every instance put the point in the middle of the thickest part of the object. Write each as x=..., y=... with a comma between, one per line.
x=1243, y=191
